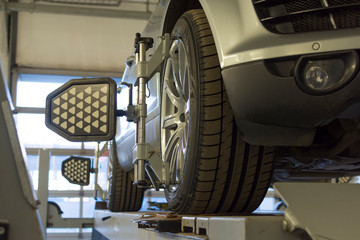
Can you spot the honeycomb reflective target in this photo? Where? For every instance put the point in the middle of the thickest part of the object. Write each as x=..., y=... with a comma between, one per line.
x=83, y=110
x=76, y=170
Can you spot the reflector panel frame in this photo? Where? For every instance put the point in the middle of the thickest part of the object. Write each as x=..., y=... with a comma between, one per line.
x=76, y=170
x=83, y=110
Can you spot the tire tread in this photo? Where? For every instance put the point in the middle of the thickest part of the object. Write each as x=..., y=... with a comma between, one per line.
x=231, y=175
x=123, y=196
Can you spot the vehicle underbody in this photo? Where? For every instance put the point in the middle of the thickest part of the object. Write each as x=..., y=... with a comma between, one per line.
x=334, y=153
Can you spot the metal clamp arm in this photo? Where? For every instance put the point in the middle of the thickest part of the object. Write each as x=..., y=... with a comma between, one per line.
x=147, y=69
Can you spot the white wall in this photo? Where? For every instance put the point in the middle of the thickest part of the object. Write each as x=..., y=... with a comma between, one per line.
x=75, y=42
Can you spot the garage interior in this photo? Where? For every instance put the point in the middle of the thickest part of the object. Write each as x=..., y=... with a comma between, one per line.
x=44, y=44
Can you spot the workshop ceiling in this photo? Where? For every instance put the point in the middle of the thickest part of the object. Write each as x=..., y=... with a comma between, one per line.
x=63, y=41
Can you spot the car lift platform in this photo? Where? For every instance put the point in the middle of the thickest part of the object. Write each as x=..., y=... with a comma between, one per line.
x=319, y=211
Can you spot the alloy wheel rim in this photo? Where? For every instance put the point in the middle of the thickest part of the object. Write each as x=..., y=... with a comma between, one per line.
x=176, y=112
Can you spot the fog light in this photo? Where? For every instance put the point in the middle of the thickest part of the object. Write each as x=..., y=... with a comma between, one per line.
x=316, y=78
x=327, y=72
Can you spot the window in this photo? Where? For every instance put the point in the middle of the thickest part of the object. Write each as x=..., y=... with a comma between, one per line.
x=32, y=90
x=33, y=133
x=75, y=201
x=32, y=163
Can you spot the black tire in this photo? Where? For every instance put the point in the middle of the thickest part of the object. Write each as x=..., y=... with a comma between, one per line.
x=123, y=195
x=221, y=172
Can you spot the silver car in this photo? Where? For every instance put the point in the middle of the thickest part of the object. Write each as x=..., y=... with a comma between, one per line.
x=253, y=91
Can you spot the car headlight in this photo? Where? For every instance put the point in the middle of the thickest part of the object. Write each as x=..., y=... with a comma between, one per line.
x=326, y=73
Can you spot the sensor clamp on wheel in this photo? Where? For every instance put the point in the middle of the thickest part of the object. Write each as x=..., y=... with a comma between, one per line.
x=85, y=110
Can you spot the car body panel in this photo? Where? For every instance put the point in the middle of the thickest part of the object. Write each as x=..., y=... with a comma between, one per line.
x=273, y=110
x=240, y=37
x=269, y=110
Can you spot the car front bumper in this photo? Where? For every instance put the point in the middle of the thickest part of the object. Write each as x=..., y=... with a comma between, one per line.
x=272, y=110
x=240, y=37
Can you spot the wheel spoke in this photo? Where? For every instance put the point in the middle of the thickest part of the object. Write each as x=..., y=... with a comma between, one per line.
x=180, y=161
x=174, y=56
x=186, y=84
x=173, y=164
x=185, y=136
x=171, y=121
x=173, y=94
x=171, y=144
x=176, y=76
x=187, y=109
x=182, y=65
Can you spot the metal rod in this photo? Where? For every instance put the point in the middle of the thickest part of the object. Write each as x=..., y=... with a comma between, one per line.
x=97, y=151
x=62, y=152
x=81, y=209
x=130, y=94
x=147, y=6
x=66, y=72
x=141, y=171
x=140, y=125
x=43, y=183
x=29, y=110
x=13, y=35
x=136, y=170
x=82, y=11
x=142, y=93
x=139, y=2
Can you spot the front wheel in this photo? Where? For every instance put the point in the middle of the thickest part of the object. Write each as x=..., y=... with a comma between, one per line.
x=209, y=168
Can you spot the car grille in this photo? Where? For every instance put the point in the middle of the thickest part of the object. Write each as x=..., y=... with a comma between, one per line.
x=293, y=16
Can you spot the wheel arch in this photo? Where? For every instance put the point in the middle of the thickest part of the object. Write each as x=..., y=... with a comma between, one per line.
x=174, y=11
x=218, y=15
